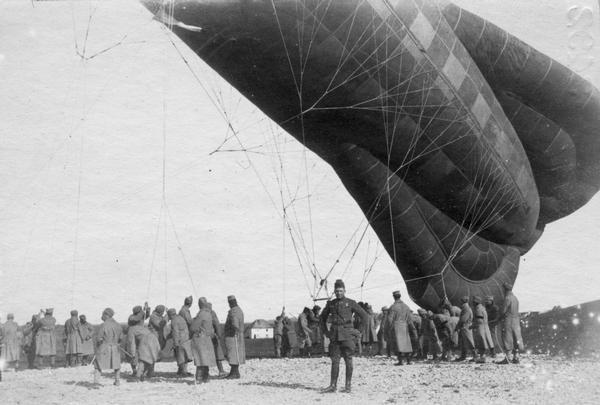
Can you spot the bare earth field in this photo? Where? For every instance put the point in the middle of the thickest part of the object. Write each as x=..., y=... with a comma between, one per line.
x=537, y=380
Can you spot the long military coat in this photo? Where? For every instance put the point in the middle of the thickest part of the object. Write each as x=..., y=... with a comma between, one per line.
x=217, y=338
x=431, y=341
x=45, y=339
x=465, y=333
x=11, y=347
x=87, y=338
x=156, y=325
x=186, y=314
x=493, y=313
x=181, y=339
x=202, y=332
x=234, y=336
x=302, y=329
x=143, y=343
x=511, y=326
x=108, y=356
x=369, y=331
x=73, y=335
x=481, y=331
x=400, y=327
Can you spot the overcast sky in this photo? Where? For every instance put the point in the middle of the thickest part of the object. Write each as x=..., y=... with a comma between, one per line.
x=83, y=222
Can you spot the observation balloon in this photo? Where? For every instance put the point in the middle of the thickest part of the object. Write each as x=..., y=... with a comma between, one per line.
x=458, y=141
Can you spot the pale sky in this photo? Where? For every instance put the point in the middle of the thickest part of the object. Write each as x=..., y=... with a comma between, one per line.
x=82, y=220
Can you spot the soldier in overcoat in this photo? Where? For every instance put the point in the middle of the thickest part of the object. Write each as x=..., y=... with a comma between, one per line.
x=465, y=332
x=45, y=339
x=108, y=356
x=202, y=345
x=10, y=342
x=234, y=337
x=481, y=331
x=73, y=340
x=181, y=341
x=87, y=337
x=144, y=345
x=401, y=327
x=511, y=326
x=217, y=341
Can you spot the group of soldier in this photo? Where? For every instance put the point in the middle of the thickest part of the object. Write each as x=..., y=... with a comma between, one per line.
x=147, y=336
x=471, y=329
x=37, y=338
x=344, y=324
x=348, y=326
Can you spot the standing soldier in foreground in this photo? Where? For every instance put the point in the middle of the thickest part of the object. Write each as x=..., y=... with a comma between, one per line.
x=9, y=339
x=216, y=340
x=234, y=338
x=181, y=341
x=511, y=327
x=341, y=334
x=401, y=327
x=73, y=340
x=87, y=338
x=107, y=353
x=45, y=342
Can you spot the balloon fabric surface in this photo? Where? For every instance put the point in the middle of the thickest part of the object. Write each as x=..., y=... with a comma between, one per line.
x=458, y=141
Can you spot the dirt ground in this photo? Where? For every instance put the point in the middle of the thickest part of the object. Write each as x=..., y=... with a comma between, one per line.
x=537, y=380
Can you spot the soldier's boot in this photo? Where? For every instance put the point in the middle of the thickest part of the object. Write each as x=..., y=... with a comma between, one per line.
x=139, y=372
x=335, y=371
x=463, y=356
x=408, y=359
x=150, y=370
x=52, y=361
x=400, y=360
x=67, y=360
x=184, y=370
x=96, y=376
x=349, y=369
x=78, y=361
x=117, y=378
x=222, y=372
x=515, y=359
x=198, y=378
x=278, y=352
x=236, y=371
x=205, y=374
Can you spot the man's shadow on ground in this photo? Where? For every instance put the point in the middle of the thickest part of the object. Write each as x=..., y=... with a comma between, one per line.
x=282, y=385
